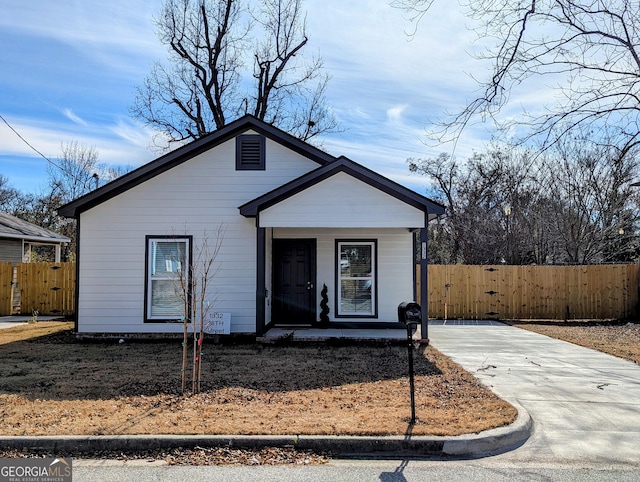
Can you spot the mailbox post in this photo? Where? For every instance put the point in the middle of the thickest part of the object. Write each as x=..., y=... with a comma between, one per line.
x=410, y=314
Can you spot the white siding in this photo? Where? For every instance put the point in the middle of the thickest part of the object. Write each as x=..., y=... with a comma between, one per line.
x=395, y=266
x=193, y=198
x=339, y=202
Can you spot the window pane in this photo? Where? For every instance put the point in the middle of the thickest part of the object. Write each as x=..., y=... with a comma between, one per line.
x=355, y=296
x=356, y=260
x=167, y=257
x=166, y=299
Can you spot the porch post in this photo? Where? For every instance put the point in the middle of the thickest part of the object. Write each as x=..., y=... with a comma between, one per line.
x=424, y=291
x=260, y=281
x=76, y=289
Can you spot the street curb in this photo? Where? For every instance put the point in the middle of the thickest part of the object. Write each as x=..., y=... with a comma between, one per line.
x=494, y=441
x=489, y=442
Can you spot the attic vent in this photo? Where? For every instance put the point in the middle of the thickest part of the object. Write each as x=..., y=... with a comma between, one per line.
x=250, y=153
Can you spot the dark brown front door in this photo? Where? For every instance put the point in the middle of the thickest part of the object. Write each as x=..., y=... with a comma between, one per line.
x=294, y=278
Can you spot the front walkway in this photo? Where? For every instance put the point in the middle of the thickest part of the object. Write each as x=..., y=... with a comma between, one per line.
x=585, y=405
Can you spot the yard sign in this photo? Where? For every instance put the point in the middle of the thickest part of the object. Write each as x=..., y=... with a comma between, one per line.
x=218, y=324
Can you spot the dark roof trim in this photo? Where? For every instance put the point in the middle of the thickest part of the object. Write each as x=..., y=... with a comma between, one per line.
x=342, y=164
x=184, y=153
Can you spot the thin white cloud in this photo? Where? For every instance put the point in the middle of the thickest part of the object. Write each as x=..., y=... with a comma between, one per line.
x=74, y=118
x=132, y=133
x=115, y=34
x=394, y=114
x=116, y=23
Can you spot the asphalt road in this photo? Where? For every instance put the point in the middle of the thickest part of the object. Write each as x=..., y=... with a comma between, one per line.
x=360, y=470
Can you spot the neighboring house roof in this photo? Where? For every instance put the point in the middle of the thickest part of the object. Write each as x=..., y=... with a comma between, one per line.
x=186, y=152
x=342, y=164
x=16, y=228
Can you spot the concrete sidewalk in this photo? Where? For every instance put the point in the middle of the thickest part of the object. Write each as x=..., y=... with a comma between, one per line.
x=585, y=405
x=17, y=320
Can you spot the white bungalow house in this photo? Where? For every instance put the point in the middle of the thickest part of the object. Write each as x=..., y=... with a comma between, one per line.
x=294, y=219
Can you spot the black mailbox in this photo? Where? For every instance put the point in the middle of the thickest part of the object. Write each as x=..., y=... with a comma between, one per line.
x=409, y=313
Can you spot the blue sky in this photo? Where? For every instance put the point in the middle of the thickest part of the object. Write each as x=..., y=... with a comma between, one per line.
x=70, y=68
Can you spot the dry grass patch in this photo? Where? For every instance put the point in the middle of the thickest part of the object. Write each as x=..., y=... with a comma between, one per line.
x=51, y=383
x=31, y=331
x=618, y=339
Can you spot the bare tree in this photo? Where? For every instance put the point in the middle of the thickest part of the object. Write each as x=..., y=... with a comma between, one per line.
x=212, y=45
x=9, y=196
x=509, y=205
x=592, y=208
x=75, y=173
x=590, y=47
x=491, y=200
x=443, y=172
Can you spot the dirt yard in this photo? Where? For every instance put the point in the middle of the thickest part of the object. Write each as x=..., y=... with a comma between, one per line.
x=51, y=383
x=618, y=339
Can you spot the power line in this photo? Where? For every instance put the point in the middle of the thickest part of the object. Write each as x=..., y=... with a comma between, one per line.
x=27, y=143
x=41, y=154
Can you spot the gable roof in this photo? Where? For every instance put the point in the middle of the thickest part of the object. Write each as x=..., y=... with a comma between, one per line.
x=186, y=152
x=16, y=228
x=345, y=165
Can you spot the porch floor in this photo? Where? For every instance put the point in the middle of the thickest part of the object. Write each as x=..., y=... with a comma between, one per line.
x=322, y=334
x=358, y=334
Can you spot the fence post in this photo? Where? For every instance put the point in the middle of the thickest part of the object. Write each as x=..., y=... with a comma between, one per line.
x=6, y=289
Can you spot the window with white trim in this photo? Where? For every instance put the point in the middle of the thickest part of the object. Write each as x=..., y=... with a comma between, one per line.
x=356, y=278
x=167, y=277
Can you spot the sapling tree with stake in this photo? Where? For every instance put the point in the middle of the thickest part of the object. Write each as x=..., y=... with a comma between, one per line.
x=194, y=286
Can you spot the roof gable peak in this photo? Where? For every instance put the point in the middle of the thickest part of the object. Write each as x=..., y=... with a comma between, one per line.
x=189, y=151
x=352, y=168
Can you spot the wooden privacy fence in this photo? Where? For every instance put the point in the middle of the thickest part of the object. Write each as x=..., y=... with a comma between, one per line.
x=533, y=292
x=455, y=291
x=48, y=288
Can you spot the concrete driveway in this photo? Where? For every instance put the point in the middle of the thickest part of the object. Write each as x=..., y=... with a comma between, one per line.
x=585, y=405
